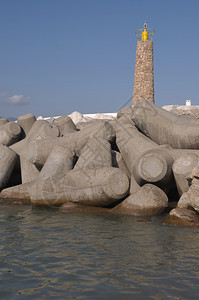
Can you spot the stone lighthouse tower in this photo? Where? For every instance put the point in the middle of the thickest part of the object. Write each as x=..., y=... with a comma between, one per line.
x=143, y=78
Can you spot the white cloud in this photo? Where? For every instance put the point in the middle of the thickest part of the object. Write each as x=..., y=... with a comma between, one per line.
x=17, y=100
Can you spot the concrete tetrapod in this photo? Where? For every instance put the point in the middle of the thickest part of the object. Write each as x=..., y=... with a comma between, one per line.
x=101, y=187
x=146, y=161
x=191, y=197
x=182, y=170
x=3, y=121
x=29, y=172
x=163, y=127
x=131, y=142
x=118, y=162
x=26, y=122
x=8, y=160
x=38, y=151
x=9, y=133
x=155, y=166
x=65, y=125
x=183, y=217
x=95, y=154
x=126, y=111
x=149, y=200
x=16, y=194
x=60, y=160
x=40, y=130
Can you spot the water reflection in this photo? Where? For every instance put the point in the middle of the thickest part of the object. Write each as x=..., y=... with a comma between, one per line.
x=45, y=254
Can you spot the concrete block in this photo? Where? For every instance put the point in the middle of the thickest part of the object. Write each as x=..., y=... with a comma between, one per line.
x=16, y=194
x=95, y=154
x=182, y=217
x=3, y=121
x=182, y=170
x=8, y=160
x=101, y=187
x=149, y=200
x=9, y=133
x=155, y=166
x=118, y=162
x=40, y=130
x=60, y=160
x=164, y=127
x=29, y=172
x=65, y=125
x=38, y=151
x=26, y=122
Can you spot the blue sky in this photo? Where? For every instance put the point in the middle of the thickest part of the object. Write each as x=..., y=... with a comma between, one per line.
x=58, y=56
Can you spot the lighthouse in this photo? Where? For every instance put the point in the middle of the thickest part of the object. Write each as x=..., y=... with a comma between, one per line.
x=143, y=77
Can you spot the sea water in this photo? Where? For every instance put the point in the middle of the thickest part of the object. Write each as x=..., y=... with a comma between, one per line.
x=45, y=254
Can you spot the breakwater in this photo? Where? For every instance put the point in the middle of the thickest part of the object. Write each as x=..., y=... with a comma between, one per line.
x=128, y=165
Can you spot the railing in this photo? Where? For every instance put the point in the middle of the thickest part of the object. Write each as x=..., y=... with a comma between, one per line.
x=140, y=32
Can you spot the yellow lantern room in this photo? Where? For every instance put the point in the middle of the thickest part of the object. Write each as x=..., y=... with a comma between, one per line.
x=145, y=34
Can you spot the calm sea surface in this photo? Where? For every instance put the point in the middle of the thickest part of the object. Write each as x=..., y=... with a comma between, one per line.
x=48, y=255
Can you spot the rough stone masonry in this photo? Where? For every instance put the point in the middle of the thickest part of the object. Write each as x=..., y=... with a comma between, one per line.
x=143, y=78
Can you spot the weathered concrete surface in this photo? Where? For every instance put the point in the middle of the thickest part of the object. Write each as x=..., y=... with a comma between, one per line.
x=164, y=127
x=143, y=78
x=183, y=217
x=134, y=186
x=155, y=166
x=195, y=172
x=18, y=193
x=149, y=200
x=126, y=111
x=38, y=151
x=191, y=197
x=9, y=133
x=118, y=162
x=101, y=187
x=79, y=208
x=98, y=128
x=95, y=154
x=26, y=122
x=81, y=125
x=8, y=160
x=184, y=201
x=60, y=160
x=145, y=160
x=65, y=125
x=3, y=121
x=40, y=130
x=131, y=142
x=186, y=110
x=101, y=175
x=182, y=170
x=29, y=172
